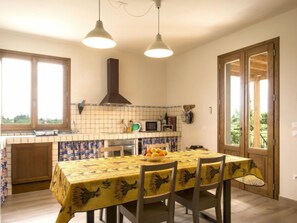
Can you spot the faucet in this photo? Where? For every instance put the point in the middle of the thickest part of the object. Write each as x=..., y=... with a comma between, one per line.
x=75, y=130
x=125, y=126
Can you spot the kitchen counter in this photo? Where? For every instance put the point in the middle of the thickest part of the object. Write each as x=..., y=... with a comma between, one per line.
x=87, y=136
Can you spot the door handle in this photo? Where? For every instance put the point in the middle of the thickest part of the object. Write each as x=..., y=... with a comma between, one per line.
x=240, y=129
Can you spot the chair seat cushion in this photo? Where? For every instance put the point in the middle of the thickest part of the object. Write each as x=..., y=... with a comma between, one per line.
x=206, y=199
x=154, y=210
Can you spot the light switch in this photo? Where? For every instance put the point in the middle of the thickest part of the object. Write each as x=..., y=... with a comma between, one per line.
x=210, y=109
x=294, y=124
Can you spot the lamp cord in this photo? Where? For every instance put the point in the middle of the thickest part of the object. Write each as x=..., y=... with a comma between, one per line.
x=99, y=10
x=158, y=20
x=124, y=5
x=130, y=14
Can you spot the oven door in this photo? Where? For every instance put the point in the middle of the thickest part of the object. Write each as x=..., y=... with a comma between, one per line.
x=128, y=145
x=128, y=151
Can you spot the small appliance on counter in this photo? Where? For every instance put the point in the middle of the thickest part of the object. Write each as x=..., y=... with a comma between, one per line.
x=151, y=126
x=167, y=128
x=136, y=126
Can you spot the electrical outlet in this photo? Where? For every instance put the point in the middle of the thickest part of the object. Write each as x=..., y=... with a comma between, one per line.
x=294, y=176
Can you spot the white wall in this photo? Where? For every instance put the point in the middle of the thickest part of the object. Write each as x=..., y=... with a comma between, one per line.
x=142, y=79
x=192, y=78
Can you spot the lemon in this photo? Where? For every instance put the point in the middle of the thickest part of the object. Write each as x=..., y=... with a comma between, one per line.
x=155, y=154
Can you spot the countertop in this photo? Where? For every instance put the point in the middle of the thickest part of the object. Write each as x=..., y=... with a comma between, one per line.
x=82, y=137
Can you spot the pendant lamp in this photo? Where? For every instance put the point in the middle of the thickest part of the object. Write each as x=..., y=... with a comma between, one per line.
x=99, y=38
x=158, y=49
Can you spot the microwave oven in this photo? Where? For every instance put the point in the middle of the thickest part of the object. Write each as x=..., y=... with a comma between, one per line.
x=150, y=126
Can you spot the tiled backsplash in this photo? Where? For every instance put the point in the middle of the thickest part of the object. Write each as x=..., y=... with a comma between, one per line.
x=96, y=119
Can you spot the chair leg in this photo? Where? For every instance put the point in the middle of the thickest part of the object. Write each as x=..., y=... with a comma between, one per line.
x=171, y=213
x=121, y=217
x=187, y=211
x=218, y=213
x=195, y=215
x=101, y=215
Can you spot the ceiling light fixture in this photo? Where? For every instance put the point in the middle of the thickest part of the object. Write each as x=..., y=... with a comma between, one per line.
x=99, y=38
x=158, y=49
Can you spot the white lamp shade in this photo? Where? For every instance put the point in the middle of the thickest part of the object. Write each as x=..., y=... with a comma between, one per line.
x=158, y=49
x=99, y=38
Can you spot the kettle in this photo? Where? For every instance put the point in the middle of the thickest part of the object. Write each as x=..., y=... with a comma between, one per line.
x=136, y=127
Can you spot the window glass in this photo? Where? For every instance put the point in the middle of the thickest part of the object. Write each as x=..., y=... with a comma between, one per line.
x=16, y=91
x=50, y=93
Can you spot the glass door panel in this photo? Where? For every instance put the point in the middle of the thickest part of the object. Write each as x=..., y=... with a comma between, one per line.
x=232, y=103
x=258, y=100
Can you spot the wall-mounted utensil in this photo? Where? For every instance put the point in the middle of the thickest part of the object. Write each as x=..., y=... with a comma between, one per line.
x=81, y=106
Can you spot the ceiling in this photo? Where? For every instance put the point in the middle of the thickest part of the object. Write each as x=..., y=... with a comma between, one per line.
x=183, y=24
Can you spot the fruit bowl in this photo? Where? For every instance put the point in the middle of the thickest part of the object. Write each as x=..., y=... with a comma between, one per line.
x=154, y=158
x=155, y=154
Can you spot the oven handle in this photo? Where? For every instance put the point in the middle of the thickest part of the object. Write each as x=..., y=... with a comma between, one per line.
x=128, y=146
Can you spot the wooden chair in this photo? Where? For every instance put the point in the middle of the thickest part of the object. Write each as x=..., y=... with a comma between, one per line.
x=109, y=149
x=148, y=209
x=199, y=198
x=161, y=146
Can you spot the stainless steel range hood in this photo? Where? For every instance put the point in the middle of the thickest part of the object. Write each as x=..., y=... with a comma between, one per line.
x=113, y=96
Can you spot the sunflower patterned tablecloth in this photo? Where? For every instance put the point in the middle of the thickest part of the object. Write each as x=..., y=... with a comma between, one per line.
x=84, y=185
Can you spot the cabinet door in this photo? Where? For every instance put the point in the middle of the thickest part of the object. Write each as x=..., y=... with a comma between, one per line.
x=31, y=162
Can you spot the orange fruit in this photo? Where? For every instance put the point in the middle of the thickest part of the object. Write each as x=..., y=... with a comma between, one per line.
x=161, y=153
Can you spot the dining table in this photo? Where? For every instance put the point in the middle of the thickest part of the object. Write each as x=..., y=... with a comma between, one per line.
x=92, y=184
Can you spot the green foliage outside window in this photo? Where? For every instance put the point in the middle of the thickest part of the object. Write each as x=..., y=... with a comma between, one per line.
x=25, y=119
x=235, y=129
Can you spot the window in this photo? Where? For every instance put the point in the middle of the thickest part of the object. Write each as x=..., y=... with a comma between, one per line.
x=35, y=91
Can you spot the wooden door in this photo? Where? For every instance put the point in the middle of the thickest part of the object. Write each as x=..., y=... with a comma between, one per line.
x=248, y=110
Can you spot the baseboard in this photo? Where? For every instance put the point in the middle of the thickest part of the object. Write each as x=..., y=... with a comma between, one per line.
x=28, y=187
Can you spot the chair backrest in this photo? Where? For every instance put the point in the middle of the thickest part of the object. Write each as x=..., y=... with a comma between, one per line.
x=215, y=167
x=111, y=149
x=144, y=199
x=161, y=146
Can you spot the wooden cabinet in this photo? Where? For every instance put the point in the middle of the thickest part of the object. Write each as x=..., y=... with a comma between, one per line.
x=31, y=166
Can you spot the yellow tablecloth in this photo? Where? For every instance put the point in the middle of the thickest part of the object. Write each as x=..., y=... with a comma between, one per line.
x=85, y=185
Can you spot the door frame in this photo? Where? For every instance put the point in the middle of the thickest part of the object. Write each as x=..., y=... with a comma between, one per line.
x=275, y=100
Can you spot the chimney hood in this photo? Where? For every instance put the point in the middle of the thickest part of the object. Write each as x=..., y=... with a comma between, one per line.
x=113, y=96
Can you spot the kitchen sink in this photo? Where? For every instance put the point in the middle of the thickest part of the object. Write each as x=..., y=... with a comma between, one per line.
x=66, y=132
x=52, y=133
